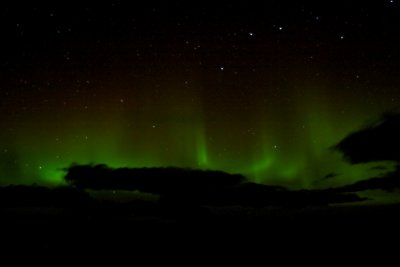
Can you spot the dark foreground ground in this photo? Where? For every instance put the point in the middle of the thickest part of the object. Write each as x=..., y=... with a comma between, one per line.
x=257, y=221
x=115, y=227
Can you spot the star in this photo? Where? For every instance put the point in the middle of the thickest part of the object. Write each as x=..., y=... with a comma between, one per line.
x=221, y=68
x=251, y=34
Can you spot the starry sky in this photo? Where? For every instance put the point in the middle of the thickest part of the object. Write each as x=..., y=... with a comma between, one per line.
x=264, y=90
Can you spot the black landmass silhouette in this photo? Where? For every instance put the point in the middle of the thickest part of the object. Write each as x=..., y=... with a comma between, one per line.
x=227, y=213
x=203, y=207
x=41, y=219
x=40, y=196
x=189, y=186
x=152, y=180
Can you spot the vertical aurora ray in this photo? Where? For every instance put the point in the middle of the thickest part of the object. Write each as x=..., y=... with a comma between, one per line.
x=202, y=153
x=263, y=91
x=280, y=139
x=289, y=147
x=294, y=147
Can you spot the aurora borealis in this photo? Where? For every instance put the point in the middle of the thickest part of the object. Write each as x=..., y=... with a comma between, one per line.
x=263, y=90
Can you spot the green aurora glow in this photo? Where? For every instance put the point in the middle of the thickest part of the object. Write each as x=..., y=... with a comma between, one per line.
x=262, y=90
x=286, y=147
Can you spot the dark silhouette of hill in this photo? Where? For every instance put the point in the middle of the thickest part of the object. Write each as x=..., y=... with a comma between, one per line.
x=231, y=212
x=31, y=196
x=109, y=227
x=183, y=183
x=188, y=187
x=258, y=195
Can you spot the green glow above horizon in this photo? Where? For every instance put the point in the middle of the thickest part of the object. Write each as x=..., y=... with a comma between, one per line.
x=269, y=143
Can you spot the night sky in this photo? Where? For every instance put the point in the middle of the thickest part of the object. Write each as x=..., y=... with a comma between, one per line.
x=264, y=90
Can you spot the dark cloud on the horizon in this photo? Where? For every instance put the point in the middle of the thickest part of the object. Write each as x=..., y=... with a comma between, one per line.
x=387, y=183
x=377, y=142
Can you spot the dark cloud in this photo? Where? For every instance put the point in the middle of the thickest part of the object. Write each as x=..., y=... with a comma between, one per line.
x=377, y=142
x=331, y=175
x=382, y=168
x=389, y=183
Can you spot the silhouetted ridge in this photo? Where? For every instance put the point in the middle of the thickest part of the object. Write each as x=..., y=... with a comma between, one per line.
x=152, y=180
x=23, y=195
x=252, y=194
x=176, y=185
